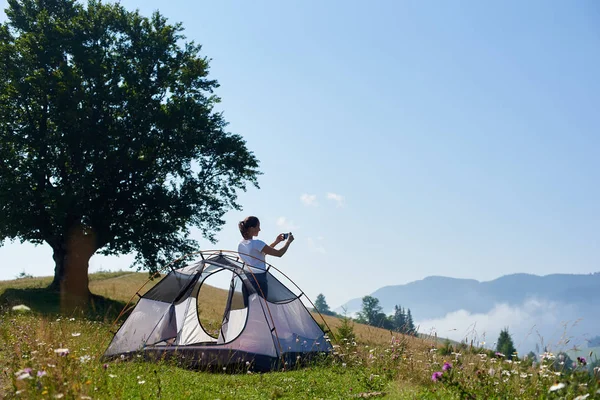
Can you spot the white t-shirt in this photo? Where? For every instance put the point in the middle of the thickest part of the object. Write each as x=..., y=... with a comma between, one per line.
x=253, y=247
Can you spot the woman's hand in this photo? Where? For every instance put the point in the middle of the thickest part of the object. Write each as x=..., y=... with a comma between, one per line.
x=280, y=238
x=290, y=238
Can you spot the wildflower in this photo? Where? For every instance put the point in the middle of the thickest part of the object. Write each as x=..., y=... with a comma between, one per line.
x=582, y=361
x=62, y=352
x=24, y=375
x=105, y=366
x=75, y=334
x=582, y=397
x=141, y=382
x=498, y=354
x=437, y=376
x=447, y=366
x=71, y=319
x=557, y=386
x=344, y=365
x=59, y=396
x=21, y=308
x=41, y=373
x=112, y=376
x=23, y=371
x=84, y=359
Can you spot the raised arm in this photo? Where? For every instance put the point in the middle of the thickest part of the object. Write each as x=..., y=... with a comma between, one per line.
x=272, y=251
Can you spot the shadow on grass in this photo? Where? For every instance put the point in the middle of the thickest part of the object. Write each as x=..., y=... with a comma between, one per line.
x=47, y=302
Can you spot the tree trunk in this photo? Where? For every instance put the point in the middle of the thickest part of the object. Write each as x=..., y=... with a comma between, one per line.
x=59, y=268
x=71, y=259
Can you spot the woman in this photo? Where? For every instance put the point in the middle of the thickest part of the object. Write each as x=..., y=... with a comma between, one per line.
x=253, y=251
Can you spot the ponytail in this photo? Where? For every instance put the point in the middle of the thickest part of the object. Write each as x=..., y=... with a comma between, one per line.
x=249, y=222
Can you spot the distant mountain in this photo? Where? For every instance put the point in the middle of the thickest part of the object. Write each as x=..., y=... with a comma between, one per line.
x=436, y=296
x=520, y=300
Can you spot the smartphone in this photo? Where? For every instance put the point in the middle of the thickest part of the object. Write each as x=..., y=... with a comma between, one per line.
x=286, y=235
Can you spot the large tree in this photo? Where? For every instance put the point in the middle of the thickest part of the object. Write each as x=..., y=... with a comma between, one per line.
x=110, y=142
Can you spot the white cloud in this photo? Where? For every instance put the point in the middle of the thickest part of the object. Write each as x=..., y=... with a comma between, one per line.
x=339, y=199
x=533, y=322
x=309, y=199
x=315, y=246
x=286, y=224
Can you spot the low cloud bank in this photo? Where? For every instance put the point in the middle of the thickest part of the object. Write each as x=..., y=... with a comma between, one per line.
x=532, y=325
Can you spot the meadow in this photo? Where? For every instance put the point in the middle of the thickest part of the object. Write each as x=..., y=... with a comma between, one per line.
x=45, y=354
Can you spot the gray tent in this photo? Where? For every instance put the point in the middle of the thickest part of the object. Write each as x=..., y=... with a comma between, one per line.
x=265, y=335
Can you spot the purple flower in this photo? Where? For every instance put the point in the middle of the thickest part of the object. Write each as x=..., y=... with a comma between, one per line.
x=447, y=366
x=105, y=366
x=582, y=361
x=41, y=373
x=437, y=376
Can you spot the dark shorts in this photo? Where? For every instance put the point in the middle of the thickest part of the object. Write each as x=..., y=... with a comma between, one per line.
x=259, y=281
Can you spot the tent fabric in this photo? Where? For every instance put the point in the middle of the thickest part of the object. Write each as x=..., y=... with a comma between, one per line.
x=264, y=333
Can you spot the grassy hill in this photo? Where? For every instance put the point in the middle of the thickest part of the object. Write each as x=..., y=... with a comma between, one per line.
x=118, y=288
x=48, y=355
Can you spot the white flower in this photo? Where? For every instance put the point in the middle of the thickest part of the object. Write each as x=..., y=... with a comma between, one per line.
x=141, y=382
x=112, y=376
x=84, y=359
x=75, y=334
x=24, y=375
x=524, y=376
x=582, y=397
x=59, y=396
x=344, y=365
x=62, y=352
x=71, y=319
x=557, y=386
x=21, y=308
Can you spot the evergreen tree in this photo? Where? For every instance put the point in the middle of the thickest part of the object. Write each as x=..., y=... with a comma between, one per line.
x=399, y=319
x=410, y=326
x=505, y=344
x=322, y=306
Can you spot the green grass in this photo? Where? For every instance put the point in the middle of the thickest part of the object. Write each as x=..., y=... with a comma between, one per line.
x=376, y=365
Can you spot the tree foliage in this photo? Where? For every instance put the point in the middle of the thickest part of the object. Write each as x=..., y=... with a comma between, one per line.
x=505, y=344
x=322, y=306
x=370, y=311
x=110, y=138
x=372, y=314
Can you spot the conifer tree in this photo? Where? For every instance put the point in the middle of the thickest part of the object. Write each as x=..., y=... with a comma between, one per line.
x=322, y=306
x=410, y=326
x=505, y=344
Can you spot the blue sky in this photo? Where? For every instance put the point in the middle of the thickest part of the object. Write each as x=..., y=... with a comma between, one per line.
x=400, y=140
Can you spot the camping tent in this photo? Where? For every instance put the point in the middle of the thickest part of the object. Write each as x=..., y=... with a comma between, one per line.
x=264, y=334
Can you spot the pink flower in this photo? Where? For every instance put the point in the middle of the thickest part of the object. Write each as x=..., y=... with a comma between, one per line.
x=437, y=376
x=447, y=366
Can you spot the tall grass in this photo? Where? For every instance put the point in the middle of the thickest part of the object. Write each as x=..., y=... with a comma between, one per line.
x=55, y=356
